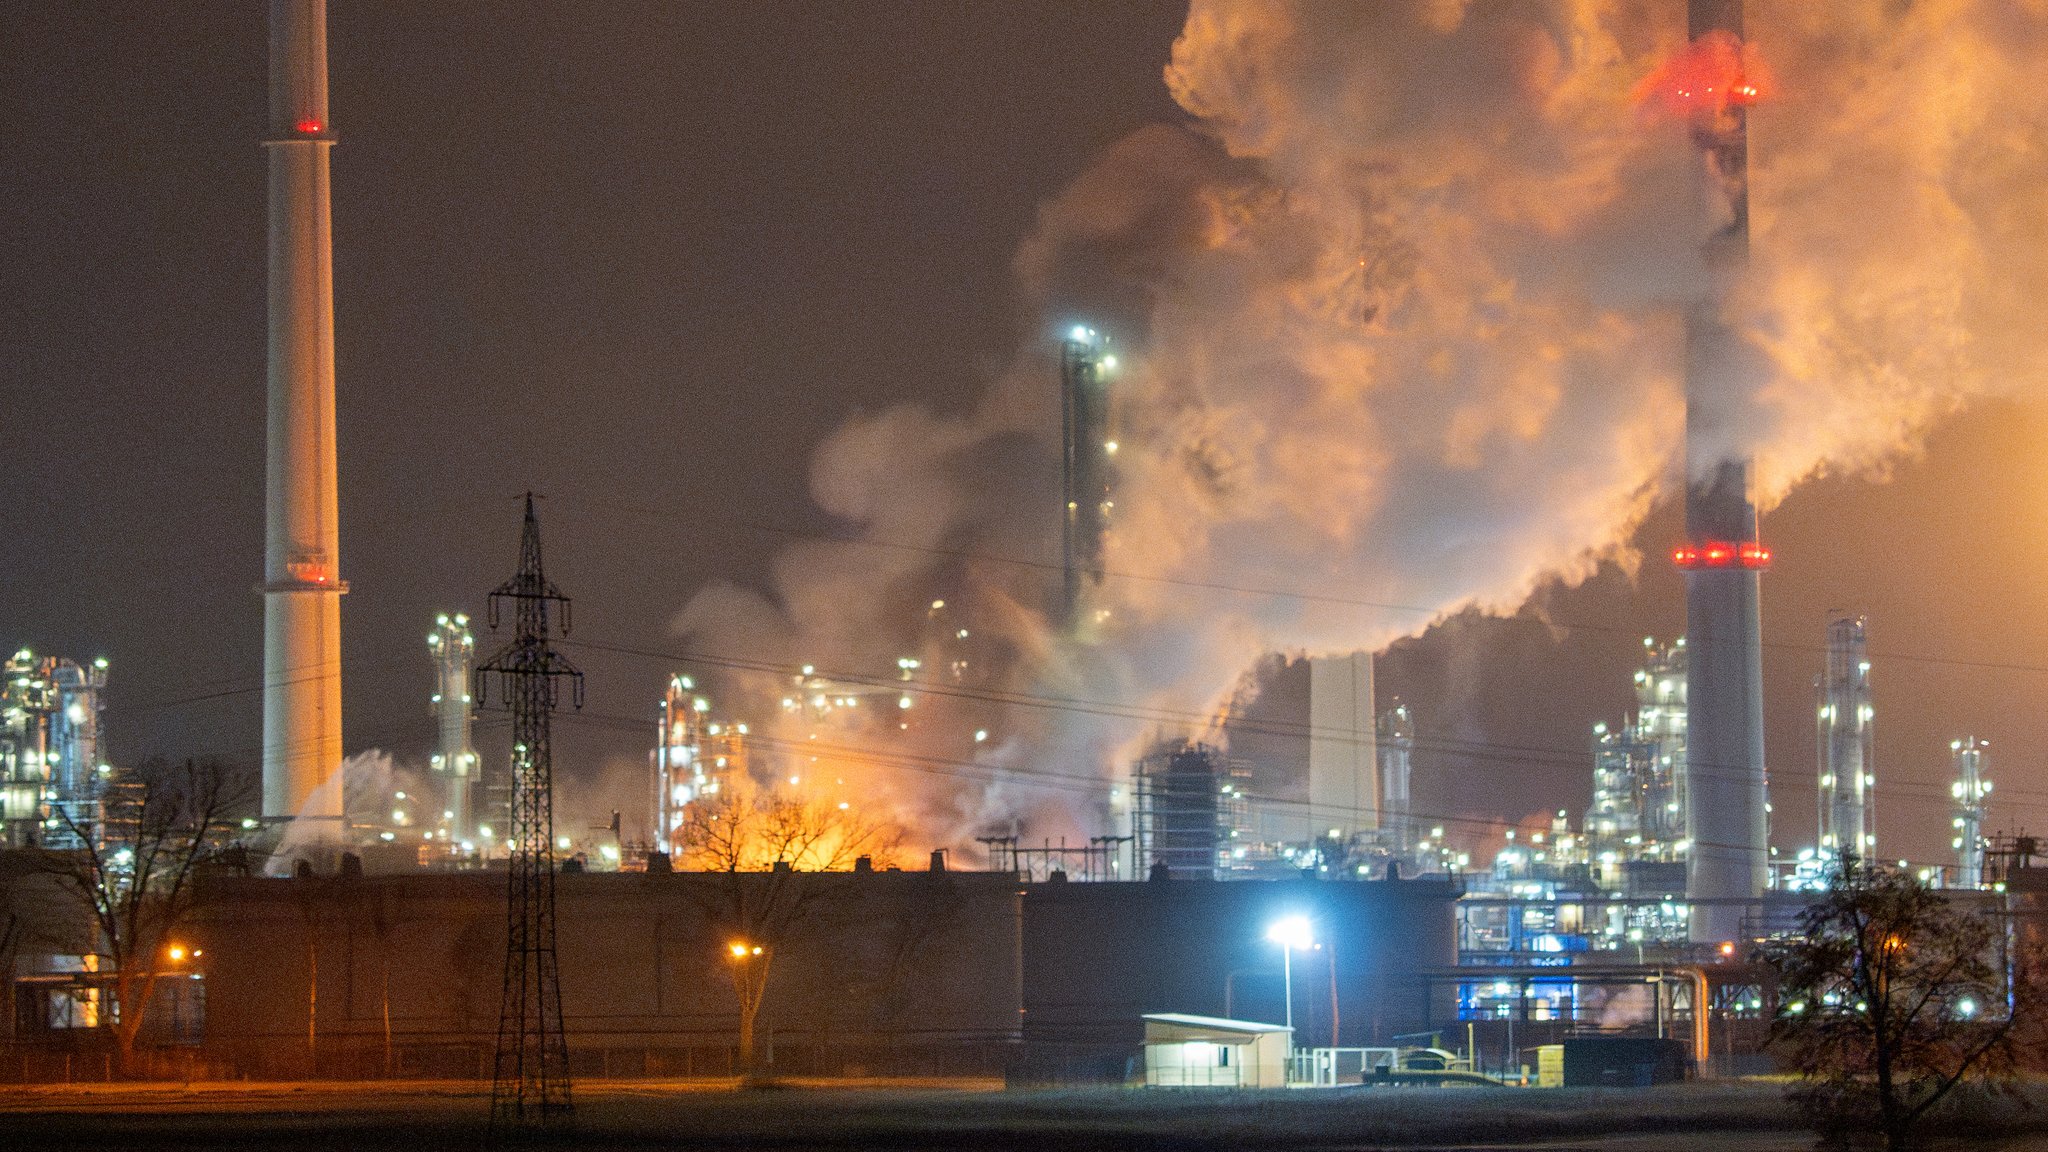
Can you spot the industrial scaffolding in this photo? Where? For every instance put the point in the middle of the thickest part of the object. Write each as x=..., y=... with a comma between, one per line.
x=1189, y=808
x=1639, y=812
x=1098, y=859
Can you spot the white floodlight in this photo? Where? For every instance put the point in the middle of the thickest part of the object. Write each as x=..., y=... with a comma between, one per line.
x=1291, y=932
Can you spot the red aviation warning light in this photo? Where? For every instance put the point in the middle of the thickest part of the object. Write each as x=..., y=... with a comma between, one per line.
x=1713, y=73
x=1721, y=554
x=309, y=127
x=307, y=568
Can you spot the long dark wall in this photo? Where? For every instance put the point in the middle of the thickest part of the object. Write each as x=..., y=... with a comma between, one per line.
x=1099, y=956
x=880, y=970
x=879, y=960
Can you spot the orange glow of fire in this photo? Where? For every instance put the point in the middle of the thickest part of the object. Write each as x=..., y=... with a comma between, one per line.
x=1714, y=73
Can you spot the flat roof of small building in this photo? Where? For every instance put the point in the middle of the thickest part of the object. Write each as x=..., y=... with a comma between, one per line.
x=1214, y=1023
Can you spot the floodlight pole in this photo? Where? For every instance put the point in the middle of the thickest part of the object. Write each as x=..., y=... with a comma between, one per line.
x=1287, y=988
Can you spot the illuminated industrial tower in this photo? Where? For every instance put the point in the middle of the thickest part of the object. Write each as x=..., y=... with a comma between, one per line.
x=1847, y=819
x=77, y=774
x=1395, y=747
x=1970, y=790
x=678, y=763
x=302, y=584
x=693, y=755
x=1728, y=814
x=1085, y=454
x=453, y=648
x=51, y=775
x=1638, y=815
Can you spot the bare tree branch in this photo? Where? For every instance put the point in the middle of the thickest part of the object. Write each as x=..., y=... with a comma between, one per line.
x=770, y=847
x=136, y=874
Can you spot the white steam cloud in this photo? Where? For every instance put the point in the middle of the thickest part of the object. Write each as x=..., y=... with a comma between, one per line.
x=1400, y=315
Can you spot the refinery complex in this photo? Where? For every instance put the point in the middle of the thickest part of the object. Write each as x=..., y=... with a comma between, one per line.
x=1676, y=845
x=1097, y=871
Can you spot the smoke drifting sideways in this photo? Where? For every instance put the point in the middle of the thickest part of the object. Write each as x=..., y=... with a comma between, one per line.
x=359, y=789
x=1400, y=315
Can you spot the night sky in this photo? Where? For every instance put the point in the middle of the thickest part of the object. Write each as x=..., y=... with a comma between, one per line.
x=642, y=258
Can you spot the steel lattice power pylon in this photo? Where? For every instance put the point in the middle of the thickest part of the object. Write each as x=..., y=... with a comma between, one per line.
x=531, y=1080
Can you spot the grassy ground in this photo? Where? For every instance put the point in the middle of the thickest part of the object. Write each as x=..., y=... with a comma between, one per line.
x=632, y=1115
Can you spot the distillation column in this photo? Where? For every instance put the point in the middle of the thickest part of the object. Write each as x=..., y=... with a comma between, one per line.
x=1844, y=717
x=1395, y=747
x=453, y=649
x=678, y=762
x=1970, y=790
x=75, y=768
x=302, y=584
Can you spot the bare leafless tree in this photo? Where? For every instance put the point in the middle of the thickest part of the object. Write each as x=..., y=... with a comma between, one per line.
x=136, y=873
x=745, y=827
x=767, y=847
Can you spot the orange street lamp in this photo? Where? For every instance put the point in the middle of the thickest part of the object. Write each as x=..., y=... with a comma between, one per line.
x=749, y=981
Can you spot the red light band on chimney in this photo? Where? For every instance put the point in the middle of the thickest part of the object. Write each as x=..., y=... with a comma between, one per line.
x=309, y=127
x=1721, y=554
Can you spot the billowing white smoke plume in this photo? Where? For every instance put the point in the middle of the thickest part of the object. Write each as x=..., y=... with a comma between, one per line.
x=1902, y=237
x=1399, y=310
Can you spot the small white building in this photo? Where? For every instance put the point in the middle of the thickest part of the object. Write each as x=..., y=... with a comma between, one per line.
x=1210, y=1052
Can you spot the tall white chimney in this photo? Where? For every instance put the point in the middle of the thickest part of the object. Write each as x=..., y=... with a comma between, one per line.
x=302, y=584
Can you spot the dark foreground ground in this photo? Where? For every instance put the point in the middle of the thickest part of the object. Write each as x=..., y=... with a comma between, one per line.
x=633, y=1115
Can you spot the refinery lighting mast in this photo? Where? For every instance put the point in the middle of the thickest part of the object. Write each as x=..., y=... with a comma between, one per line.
x=1728, y=822
x=302, y=584
x=1970, y=790
x=1844, y=716
x=453, y=648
